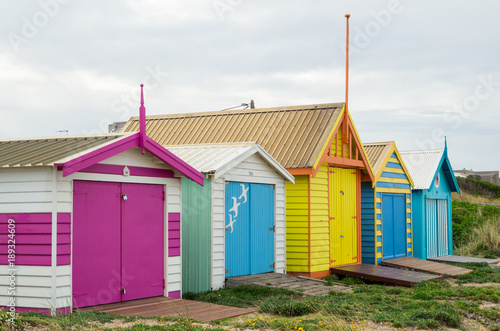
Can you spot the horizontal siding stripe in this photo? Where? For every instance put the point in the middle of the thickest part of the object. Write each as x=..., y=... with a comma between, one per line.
x=33, y=238
x=393, y=175
x=393, y=185
x=174, y=234
x=394, y=180
x=394, y=165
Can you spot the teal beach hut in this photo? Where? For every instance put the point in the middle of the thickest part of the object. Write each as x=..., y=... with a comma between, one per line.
x=432, y=219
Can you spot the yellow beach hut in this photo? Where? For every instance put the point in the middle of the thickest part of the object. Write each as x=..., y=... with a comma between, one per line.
x=320, y=146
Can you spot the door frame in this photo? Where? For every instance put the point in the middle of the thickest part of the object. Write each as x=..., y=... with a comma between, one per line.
x=394, y=196
x=239, y=181
x=166, y=182
x=120, y=208
x=358, y=213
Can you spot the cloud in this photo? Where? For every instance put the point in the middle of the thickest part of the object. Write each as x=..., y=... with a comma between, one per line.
x=83, y=67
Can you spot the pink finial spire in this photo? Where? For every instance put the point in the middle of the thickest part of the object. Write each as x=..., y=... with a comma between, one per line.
x=142, y=120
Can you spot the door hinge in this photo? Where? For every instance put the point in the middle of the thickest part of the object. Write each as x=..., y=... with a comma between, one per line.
x=354, y=217
x=163, y=195
x=354, y=173
x=331, y=218
x=227, y=228
x=331, y=171
x=271, y=266
x=227, y=271
x=272, y=229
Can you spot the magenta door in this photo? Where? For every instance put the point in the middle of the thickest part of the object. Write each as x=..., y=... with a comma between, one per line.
x=118, y=242
x=142, y=241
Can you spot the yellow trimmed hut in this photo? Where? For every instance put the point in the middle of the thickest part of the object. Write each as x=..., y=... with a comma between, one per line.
x=320, y=146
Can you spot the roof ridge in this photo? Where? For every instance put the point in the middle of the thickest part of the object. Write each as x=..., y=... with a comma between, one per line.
x=245, y=111
x=214, y=145
x=422, y=151
x=72, y=137
x=379, y=143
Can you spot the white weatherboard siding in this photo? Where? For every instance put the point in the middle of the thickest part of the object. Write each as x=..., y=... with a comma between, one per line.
x=30, y=190
x=252, y=170
x=33, y=286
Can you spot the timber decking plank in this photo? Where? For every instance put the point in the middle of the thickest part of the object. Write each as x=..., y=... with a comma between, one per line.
x=384, y=274
x=462, y=259
x=424, y=265
x=170, y=307
x=309, y=287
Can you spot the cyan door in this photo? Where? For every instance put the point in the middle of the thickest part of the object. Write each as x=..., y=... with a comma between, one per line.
x=393, y=225
x=249, y=239
x=437, y=227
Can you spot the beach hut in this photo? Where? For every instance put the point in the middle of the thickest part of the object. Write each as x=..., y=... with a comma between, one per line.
x=431, y=198
x=386, y=221
x=88, y=220
x=319, y=145
x=235, y=224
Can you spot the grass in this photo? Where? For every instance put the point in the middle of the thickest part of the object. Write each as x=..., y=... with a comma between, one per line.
x=468, y=217
x=97, y=321
x=430, y=304
x=242, y=296
x=477, y=187
x=482, y=273
x=476, y=227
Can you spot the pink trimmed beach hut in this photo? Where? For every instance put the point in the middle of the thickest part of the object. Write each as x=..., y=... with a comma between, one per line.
x=89, y=220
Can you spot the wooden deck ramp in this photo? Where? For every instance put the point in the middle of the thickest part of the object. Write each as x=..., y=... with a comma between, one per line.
x=170, y=307
x=384, y=274
x=425, y=265
x=463, y=259
x=304, y=285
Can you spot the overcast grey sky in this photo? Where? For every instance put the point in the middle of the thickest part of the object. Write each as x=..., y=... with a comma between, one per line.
x=419, y=69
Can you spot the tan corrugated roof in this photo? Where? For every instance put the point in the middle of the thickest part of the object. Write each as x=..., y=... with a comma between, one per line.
x=294, y=136
x=377, y=153
x=31, y=152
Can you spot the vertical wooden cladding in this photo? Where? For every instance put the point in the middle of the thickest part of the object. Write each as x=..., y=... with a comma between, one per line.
x=320, y=240
x=196, y=236
x=344, y=225
x=297, y=224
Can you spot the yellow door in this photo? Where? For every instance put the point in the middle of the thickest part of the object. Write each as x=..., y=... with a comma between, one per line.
x=343, y=221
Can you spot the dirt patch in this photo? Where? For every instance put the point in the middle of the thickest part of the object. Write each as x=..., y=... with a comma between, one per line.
x=481, y=284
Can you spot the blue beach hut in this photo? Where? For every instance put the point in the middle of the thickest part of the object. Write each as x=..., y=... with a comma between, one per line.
x=386, y=220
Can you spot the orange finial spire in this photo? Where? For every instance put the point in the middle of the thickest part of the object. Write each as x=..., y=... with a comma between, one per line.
x=346, y=114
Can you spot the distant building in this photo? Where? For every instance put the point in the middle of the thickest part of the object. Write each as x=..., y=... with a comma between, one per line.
x=487, y=176
x=115, y=127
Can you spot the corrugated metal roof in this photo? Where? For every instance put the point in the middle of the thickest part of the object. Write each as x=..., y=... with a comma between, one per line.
x=219, y=158
x=294, y=136
x=32, y=152
x=422, y=166
x=377, y=153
